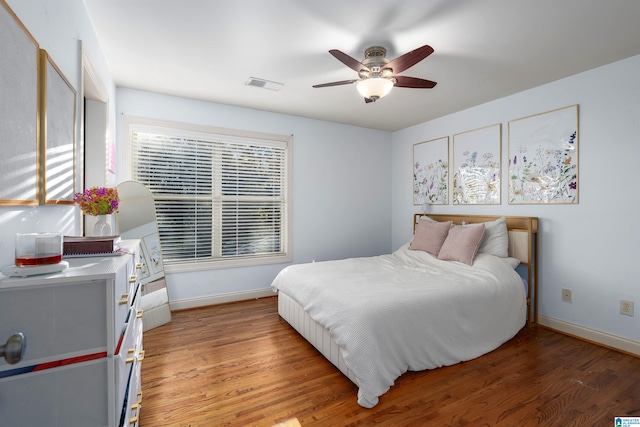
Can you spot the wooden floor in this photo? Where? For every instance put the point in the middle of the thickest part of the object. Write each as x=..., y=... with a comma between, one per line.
x=240, y=364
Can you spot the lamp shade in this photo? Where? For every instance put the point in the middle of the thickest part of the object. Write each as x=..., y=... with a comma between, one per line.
x=375, y=87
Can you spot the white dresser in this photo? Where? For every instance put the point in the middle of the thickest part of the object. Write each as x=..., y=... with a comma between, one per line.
x=83, y=330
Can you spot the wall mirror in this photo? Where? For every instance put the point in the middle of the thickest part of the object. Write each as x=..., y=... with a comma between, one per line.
x=136, y=219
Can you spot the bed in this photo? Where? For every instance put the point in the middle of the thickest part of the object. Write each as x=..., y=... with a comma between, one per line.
x=423, y=306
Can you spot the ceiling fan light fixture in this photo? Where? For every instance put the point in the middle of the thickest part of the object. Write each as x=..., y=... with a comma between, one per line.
x=375, y=87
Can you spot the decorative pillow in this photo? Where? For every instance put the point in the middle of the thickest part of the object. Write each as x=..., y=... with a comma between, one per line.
x=429, y=236
x=496, y=238
x=462, y=243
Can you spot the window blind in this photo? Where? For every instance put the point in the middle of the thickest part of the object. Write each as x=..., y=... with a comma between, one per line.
x=217, y=197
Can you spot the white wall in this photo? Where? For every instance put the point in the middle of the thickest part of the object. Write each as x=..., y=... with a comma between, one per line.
x=593, y=247
x=341, y=189
x=58, y=27
x=346, y=205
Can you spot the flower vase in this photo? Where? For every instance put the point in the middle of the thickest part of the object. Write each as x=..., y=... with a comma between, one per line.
x=103, y=226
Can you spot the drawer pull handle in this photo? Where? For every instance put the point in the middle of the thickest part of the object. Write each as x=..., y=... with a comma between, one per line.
x=129, y=359
x=135, y=407
x=139, y=396
x=14, y=348
x=133, y=278
x=138, y=266
x=124, y=299
x=139, y=314
x=141, y=356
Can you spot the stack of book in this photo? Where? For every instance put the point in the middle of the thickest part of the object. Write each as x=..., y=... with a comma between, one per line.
x=73, y=246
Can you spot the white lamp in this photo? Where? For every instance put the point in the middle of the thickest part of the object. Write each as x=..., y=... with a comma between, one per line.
x=375, y=87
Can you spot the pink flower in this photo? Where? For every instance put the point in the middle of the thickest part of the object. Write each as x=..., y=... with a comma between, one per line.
x=97, y=200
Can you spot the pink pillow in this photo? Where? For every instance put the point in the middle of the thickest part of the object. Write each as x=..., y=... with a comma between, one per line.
x=462, y=243
x=430, y=236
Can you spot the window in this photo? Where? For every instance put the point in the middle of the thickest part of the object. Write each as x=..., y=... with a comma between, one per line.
x=221, y=196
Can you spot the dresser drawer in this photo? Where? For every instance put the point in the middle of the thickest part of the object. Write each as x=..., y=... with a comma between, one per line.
x=134, y=269
x=126, y=294
x=57, y=321
x=69, y=396
x=136, y=265
x=130, y=352
x=133, y=403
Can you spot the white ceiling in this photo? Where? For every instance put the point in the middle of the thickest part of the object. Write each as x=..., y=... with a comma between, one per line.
x=484, y=50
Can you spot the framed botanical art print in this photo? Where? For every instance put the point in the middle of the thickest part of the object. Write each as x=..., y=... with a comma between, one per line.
x=543, y=157
x=431, y=172
x=476, y=166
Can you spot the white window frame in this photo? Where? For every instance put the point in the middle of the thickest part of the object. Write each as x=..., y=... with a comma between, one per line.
x=132, y=123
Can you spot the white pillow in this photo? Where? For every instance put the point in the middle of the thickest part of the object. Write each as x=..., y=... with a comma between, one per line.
x=496, y=238
x=511, y=262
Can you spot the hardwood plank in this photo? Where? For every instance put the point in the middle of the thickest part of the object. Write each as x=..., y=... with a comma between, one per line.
x=240, y=364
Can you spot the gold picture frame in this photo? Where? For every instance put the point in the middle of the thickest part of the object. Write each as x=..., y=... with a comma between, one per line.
x=477, y=166
x=543, y=158
x=58, y=133
x=19, y=112
x=431, y=172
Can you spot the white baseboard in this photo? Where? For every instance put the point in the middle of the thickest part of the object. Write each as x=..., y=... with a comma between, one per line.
x=608, y=340
x=219, y=299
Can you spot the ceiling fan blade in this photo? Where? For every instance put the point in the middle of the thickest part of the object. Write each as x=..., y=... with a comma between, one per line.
x=342, y=82
x=350, y=62
x=409, y=59
x=413, y=82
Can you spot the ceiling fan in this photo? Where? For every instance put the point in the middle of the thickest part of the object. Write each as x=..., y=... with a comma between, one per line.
x=378, y=74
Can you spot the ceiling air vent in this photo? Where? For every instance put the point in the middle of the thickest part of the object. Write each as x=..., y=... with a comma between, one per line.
x=265, y=84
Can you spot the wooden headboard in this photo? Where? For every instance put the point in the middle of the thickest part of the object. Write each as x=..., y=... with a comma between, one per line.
x=523, y=245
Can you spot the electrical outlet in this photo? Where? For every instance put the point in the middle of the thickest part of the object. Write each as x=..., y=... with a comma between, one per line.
x=626, y=307
x=566, y=295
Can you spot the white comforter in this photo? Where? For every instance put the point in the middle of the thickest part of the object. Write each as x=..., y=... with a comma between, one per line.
x=408, y=311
